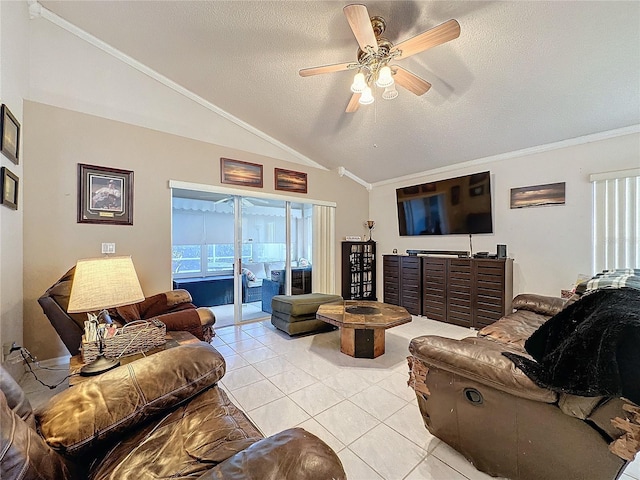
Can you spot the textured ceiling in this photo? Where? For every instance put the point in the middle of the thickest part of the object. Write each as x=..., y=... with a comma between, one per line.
x=521, y=74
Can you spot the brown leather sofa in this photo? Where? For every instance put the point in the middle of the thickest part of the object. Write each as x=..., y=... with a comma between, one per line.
x=474, y=399
x=173, y=308
x=159, y=417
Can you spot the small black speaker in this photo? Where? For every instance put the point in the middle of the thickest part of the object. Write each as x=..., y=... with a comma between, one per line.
x=502, y=251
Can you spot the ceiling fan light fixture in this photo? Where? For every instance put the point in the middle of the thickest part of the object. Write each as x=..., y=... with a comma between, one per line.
x=385, y=78
x=367, y=97
x=359, y=83
x=390, y=92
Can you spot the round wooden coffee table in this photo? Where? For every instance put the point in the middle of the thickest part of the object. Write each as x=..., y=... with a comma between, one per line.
x=362, y=324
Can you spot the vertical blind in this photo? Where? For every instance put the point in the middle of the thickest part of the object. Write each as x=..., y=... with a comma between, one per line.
x=616, y=226
x=324, y=250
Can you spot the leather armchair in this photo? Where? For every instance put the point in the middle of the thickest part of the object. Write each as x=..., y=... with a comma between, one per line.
x=159, y=417
x=173, y=308
x=474, y=399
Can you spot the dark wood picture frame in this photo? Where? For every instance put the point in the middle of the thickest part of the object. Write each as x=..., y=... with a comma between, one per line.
x=9, y=135
x=290, y=180
x=10, y=184
x=105, y=195
x=237, y=172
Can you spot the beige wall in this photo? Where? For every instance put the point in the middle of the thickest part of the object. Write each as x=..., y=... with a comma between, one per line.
x=550, y=245
x=14, y=65
x=58, y=139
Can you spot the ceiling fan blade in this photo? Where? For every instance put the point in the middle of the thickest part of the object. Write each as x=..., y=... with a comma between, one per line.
x=360, y=23
x=353, y=103
x=307, y=72
x=429, y=39
x=411, y=82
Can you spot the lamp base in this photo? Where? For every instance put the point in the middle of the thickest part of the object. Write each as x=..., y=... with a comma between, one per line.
x=99, y=365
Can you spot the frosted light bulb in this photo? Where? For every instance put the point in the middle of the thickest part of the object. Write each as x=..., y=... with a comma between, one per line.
x=359, y=83
x=367, y=97
x=390, y=93
x=385, y=79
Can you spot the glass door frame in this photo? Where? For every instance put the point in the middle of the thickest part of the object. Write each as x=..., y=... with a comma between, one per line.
x=237, y=194
x=238, y=248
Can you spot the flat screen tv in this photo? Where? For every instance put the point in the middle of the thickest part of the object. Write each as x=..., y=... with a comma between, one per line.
x=460, y=205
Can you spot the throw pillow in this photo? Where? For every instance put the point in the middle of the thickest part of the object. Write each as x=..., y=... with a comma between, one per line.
x=24, y=453
x=104, y=407
x=250, y=275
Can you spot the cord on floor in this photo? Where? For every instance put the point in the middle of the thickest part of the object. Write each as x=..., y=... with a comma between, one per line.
x=29, y=359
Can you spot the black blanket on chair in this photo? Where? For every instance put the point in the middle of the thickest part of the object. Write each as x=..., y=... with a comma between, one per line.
x=591, y=348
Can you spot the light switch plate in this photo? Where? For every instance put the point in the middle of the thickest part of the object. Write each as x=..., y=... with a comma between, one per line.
x=108, y=248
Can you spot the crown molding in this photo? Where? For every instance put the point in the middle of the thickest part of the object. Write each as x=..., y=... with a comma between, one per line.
x=570, y=142
x=343, y=172
x=38, y=11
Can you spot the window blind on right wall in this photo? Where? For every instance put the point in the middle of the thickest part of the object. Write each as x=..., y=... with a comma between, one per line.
x=616, y=226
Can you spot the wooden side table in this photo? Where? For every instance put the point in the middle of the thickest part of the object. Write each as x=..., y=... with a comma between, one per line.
x=173, y=340
x=362, y=324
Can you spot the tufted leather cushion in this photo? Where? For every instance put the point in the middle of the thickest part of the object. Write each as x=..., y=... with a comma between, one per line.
x=539, y=303
x=514, y=329
x=23, y=454
x=292, y=454
x=183, y=444
x=61, y=291
x=81, y=417
x=480, y=360
x=16, y=399
x=532, y=311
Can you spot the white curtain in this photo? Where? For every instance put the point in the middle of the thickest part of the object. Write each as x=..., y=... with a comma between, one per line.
x=616, y=223
x=323, y=276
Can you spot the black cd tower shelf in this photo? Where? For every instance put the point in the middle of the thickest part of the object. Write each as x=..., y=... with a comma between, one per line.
x=359, y=270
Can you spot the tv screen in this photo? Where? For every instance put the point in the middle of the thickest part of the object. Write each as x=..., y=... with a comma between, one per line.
x=460, y=205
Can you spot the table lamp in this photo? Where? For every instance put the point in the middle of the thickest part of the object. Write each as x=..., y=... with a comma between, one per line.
x=99, y=284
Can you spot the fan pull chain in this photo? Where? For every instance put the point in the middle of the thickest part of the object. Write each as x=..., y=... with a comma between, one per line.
x=375, y=113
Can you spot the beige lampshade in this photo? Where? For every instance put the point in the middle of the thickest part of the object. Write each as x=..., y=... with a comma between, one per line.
x=106, y=282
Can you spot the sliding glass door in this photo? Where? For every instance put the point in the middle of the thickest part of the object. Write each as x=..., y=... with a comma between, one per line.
x=203, y=250
x=234, y=253
x=262, y=234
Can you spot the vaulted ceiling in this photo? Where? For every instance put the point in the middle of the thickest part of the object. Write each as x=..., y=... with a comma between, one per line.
x=521, y=74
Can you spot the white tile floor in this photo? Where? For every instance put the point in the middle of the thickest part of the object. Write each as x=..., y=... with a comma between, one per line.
x=282, y=382
x=250, y=312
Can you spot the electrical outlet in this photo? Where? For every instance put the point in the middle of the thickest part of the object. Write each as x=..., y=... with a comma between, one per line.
x=108, y=248
x=7, y=348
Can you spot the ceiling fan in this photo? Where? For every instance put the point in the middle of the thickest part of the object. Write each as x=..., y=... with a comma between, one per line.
x=376, y=54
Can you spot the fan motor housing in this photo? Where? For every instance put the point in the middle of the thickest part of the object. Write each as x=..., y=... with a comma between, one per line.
x=379, y=25
x=384, y=47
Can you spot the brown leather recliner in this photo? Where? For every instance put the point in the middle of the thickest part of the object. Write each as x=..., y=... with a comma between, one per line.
x=159, y=417
x=474, y=399
x=173, y=308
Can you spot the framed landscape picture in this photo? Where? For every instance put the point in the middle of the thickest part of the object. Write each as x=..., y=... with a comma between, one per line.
x=290, y=181
x=237, y=172
x=9, y=135
x=9, y=189
x=538, y=195
x=105, y=195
